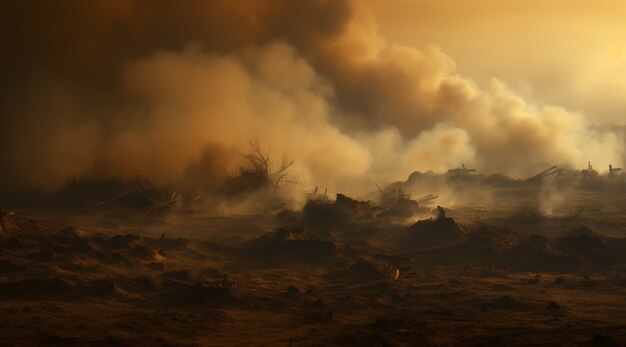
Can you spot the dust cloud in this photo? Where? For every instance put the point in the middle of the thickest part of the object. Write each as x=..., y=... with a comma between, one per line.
x=176, y=93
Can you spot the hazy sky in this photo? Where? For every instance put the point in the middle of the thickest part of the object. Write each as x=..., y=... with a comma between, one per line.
x=564, y=52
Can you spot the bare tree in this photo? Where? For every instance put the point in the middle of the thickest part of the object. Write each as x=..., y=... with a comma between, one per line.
x=256, y=165
x=281, y=176
x=256, y=170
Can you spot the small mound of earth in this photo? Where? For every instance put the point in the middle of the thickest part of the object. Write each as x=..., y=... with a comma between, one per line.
x=586, y=244
x=121, y=249
x=435, y=232
x=70, y=241
x=581, y=241
x=491, y=238
x=291, y=245
x=535, y=254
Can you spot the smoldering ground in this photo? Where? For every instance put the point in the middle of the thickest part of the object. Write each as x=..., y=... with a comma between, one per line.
x=118, y=88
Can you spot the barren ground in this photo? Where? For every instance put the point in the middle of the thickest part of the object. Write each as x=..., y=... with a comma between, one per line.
x=190, y=279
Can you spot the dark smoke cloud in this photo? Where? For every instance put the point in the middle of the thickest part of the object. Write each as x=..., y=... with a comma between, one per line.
x=64, y=95
x=113, y=87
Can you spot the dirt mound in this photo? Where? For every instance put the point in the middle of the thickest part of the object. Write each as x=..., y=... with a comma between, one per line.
x=127, y=248
x=534, y=253
x=292, y=245
x=69, y=241
x=587, y=245
x=490, y=239
x=434, y=232
x=581, y=241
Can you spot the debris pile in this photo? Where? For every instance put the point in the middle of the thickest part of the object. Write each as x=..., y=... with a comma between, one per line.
x=435, y=232
x=343, y=211
x=396, y=203
x=292, y=245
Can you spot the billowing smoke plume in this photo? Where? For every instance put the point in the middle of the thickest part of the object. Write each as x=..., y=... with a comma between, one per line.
x=116, y=88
